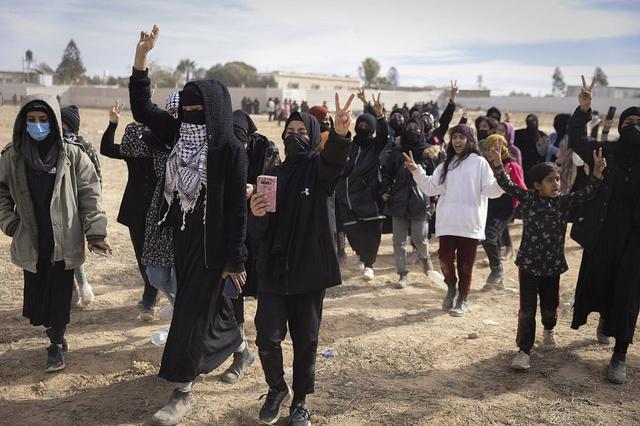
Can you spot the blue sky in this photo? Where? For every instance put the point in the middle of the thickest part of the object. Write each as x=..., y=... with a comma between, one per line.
x=514, y=44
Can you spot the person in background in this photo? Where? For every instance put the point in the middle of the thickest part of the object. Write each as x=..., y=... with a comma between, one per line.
x=82, y=291
x=271, y=109
x=50, y=201
x=358, y=188
x=527, y=141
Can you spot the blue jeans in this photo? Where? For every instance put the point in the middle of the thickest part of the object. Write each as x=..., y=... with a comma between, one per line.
x=164, y=279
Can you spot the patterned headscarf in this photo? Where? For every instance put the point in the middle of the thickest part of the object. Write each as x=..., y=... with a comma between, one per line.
x=496, y=141
x=173, y=101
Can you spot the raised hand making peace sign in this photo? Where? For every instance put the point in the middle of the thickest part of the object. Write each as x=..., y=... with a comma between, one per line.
x=145, y=44
x=585, y=94
x=377, y=105
x=454, y=90
x=114, y=114
x=342, y=120
x=362, y=96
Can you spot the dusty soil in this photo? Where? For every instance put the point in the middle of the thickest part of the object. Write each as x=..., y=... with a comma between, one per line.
x=400, y=359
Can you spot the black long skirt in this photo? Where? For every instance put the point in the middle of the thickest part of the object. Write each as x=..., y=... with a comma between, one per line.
x=204, y=331
x=609, y=277
x=47, y=294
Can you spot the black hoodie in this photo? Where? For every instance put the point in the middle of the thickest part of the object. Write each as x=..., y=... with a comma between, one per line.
x=295, y=246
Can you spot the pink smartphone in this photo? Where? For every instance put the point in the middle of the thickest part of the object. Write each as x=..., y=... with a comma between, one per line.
x=268, y=185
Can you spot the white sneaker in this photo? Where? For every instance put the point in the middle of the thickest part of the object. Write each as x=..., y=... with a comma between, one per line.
x=368, y=274
x=521, y=361
x=361, y=266
x=86, y=294
x=402, y=282
x=549, y=339
x=166, y=313
x=75, y=295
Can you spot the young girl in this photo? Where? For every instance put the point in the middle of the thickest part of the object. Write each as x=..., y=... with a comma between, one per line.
x=464, y=183
x=296, y=257
x=541, y=259
x=500, y=211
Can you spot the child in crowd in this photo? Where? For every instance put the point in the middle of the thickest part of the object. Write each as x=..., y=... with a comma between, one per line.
x=541, y=258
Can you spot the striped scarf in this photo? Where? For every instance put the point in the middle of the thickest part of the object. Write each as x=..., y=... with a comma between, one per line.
x=187, y=167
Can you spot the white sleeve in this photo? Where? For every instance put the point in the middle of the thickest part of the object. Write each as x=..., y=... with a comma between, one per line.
x=430, y=185
x=489, y=185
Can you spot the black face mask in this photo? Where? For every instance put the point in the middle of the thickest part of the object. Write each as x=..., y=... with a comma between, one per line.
x=532, y=123
x=410, y=137
x=362, y=133
x=482, y=134
x=296, y=146
x=325, y=127
x=630, y=134
x=193, y=117
x=397, y=124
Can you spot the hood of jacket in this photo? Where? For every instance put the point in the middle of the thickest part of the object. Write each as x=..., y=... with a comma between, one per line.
x=20, y=125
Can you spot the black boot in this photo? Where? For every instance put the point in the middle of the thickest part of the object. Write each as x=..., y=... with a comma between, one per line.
x=447, y=303
x=494, y=280
x=55, y=358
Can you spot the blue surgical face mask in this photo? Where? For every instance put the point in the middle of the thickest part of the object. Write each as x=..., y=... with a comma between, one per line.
x=38, y=131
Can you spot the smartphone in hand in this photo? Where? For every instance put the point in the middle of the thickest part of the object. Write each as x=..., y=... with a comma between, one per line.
x=230, y=289
x=268, y=186
x=611, y=112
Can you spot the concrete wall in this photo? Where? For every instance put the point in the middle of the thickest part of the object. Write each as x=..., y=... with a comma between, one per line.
x=551, y=105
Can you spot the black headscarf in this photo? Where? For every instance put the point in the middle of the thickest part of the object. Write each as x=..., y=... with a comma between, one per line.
x=296, y=147
x=415, y=145
x=404, y=114
x=41, y=156
x=495, y=113
x=627, y=150
x=364, y=139
x=243, y=126
x=561, y=125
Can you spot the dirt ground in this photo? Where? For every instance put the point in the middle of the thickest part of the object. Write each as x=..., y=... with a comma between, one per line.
x=400, y=359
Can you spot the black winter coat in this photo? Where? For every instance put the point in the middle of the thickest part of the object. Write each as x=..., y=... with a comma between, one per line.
x=358, y=190
x=226, y=208
x=310, y=262
x=405, y=198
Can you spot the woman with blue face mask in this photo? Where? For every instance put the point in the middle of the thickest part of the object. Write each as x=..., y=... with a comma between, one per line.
x=50, y=200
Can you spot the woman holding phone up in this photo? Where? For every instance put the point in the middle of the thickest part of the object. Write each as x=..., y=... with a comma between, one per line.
x=296, y=256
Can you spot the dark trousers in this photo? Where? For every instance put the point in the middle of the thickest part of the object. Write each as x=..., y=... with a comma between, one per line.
x=364, y=239
x=505, y=238
x=530, y=287
x=150, y=293
x=458, y=250
x=496, y=224
x=47, y=297
x=238, y=309
x=303, y=313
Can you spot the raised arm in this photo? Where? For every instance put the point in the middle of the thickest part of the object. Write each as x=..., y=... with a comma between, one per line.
x=334, y=155
x=507, y=185
x=447, y=114
x=430, y=185
x=107, y=146
x=144, y=111
x=382, y=129
x=579, y=142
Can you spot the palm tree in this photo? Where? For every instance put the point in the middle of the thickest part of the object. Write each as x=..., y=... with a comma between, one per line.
x=185, y=67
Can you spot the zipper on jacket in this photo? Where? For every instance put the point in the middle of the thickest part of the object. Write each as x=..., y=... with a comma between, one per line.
x=355, y=163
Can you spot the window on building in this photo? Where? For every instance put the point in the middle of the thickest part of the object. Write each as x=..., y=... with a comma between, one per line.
x=293, y=86
x=315, y=86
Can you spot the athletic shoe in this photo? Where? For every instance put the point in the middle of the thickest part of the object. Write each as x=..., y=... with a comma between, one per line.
x=549, y=339
x=86, y=294
x=147, y=314
x=602, y=338
x=368, y=274
x=522, y=361
x=241, y=361
x=447, y=303
x=177, y=408
x=270, y=411
x=55, y=359
x=616, y=371
x=299, y=415
x=166, y=313
x=460, y=308
x=402, y=282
